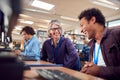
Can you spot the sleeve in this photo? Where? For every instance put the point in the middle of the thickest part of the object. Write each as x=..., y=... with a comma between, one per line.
x=112, y=73
x=43, y=52
x=33, y=49
x=71, y=57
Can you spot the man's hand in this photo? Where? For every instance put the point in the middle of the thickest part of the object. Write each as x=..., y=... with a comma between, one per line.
x=93, y=70
x=86, y=65
x=90, y=68
x=17, y=52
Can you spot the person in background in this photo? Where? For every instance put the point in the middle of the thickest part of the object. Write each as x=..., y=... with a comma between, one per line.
x=104, y=56
x=85, y=52
x=32, y=44
x=59, y=50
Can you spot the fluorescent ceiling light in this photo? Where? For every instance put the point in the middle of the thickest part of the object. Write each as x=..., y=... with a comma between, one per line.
x=18, y=27
x=105, y=4
x=68, y=18
x=36, y=10
x=43, y=5
x=106, y=1
x=47, y=21
x=27, y=22
x=23, y=15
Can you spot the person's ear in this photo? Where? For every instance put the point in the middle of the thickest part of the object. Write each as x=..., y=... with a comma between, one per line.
x=49, y=35
x=93, y=20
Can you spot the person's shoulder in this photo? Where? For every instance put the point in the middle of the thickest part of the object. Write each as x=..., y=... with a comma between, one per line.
x=65, y=39
x=92, y=41
x=47, y=41
x=114, y=29
x=34, y=39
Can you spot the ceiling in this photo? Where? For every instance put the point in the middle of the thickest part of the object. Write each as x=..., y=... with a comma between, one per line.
x=68, y=8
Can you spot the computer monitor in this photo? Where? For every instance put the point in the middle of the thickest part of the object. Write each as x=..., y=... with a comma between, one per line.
x=1, y=27
x=9, y=13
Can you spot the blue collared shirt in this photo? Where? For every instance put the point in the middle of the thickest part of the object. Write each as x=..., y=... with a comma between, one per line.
x=32, y=48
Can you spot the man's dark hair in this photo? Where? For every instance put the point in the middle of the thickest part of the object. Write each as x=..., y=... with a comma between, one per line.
x=89, y=13
x=28, y=30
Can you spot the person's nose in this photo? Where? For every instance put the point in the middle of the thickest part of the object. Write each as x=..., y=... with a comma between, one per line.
x=81, y=30
x=56, y=30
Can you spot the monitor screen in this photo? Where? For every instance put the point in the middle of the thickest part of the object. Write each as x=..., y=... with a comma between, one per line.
x=1, y=27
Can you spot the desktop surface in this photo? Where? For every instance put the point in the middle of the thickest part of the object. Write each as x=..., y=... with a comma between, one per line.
x=34, y=75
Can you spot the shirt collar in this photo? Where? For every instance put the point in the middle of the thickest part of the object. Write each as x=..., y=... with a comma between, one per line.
x=57, y=41
x=106, y=32
x=29, y=40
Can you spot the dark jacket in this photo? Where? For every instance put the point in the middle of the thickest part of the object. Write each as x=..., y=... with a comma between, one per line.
x=110, y=47
x=65, y=53
x=85, y=52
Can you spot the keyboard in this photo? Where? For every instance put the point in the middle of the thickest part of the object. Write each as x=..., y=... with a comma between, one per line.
x=48, y=74
x=5, y=50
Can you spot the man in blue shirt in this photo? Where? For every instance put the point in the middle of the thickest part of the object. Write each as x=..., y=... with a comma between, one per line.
x=32, y=44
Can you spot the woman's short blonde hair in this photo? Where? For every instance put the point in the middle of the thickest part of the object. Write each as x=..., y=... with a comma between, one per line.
x=56, y=22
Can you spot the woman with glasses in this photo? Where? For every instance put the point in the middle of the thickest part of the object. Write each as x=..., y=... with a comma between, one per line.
x=59, y=50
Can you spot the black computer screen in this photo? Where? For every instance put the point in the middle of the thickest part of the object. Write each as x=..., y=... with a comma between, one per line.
x=1, y=21
x=1, y=24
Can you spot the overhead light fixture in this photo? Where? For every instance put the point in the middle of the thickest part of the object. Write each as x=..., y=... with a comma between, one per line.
x=105, y=3
x=46, y=21
x=23, y=15
x=36, y=10
x=18, y=27
x=27, y=22
x=42, y=5
x=68, y=18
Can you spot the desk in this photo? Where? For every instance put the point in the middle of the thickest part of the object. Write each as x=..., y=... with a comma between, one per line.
x=32, y=74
